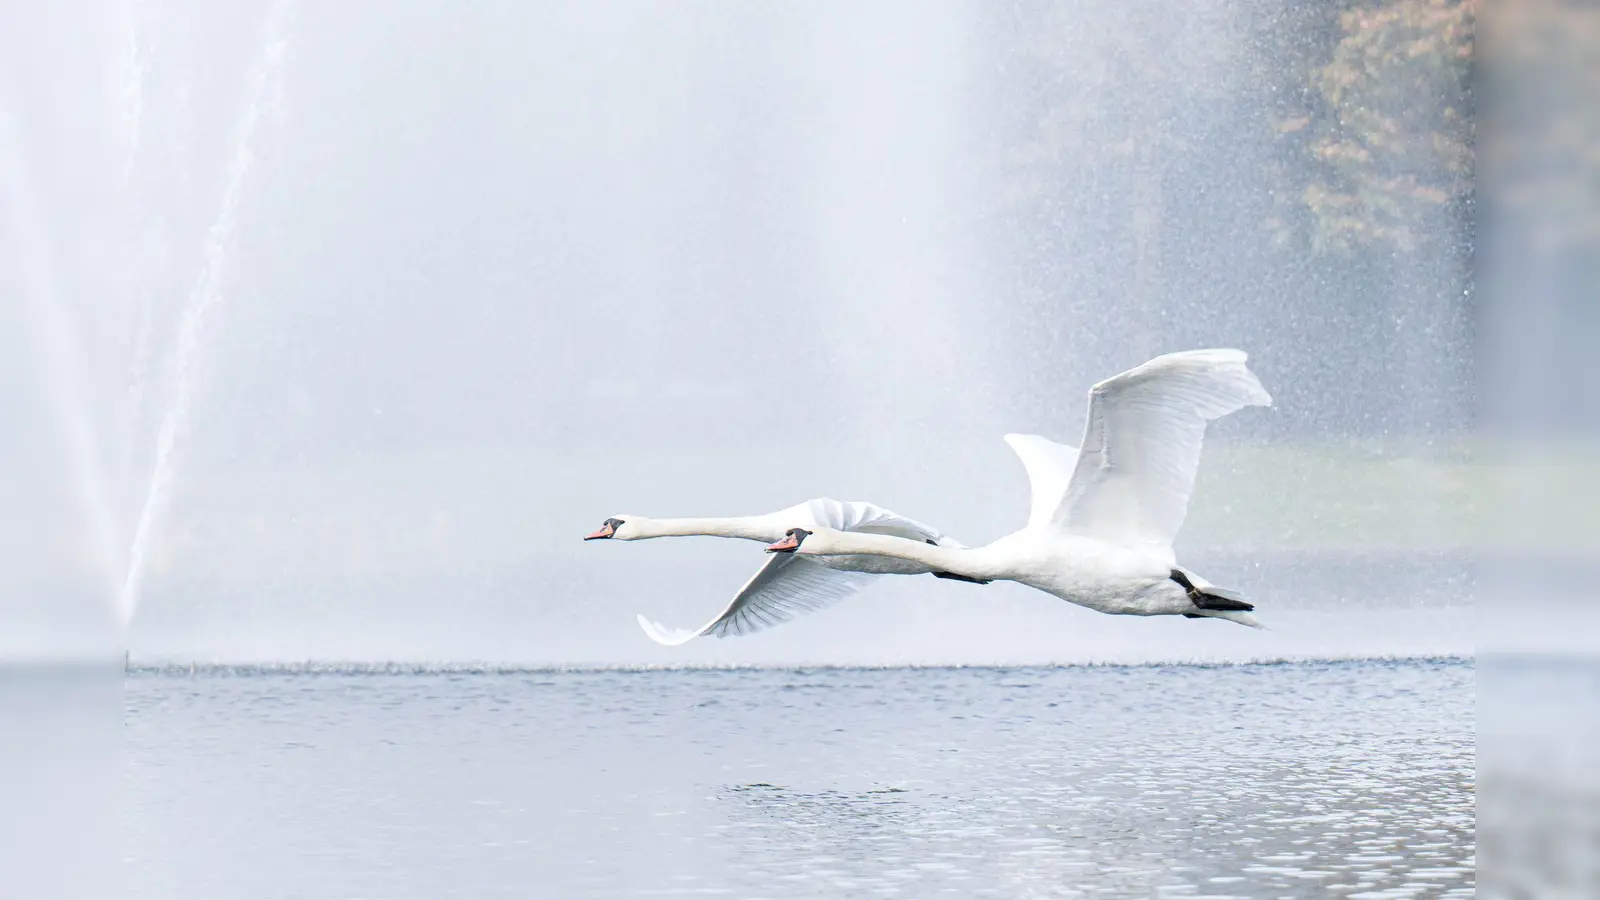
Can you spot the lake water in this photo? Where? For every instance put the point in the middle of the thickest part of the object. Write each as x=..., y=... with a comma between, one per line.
x=1306, y=779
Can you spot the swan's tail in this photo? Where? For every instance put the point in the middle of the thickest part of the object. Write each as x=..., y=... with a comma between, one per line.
x=1232, y=615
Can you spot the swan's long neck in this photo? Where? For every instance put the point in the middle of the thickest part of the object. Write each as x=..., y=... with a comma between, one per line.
x=973, y=562
x=750, y=528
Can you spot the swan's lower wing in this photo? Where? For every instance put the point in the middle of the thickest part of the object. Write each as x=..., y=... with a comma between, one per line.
x=1141, y=446
x=666, y=635
x=787, y=586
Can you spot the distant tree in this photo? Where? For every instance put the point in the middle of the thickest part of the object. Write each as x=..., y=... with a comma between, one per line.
x=1392, y=152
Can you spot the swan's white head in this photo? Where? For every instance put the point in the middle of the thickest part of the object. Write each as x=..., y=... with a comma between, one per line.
x=621, y=528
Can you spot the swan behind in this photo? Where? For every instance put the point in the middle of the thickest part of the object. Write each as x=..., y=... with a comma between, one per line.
x=785, y=586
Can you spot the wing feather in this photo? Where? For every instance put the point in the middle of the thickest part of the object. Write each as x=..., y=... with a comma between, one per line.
x=1049, y=467
x=870, y=518
x=786, y=586
x=1141, y=446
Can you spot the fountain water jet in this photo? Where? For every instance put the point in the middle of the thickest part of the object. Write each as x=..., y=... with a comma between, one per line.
x=59, y=346
x=133, y=93
x=206, y=293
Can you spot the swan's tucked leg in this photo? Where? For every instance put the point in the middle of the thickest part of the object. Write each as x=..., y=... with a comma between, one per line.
x=951, y=575
x=954, y=577
x=1211, y=597
x=1242, y=618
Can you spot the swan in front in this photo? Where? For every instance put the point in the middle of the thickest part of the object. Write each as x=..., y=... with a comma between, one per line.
x=1102, y=537
x=787, y=585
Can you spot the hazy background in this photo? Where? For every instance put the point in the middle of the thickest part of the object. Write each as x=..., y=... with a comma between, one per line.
x=393, y=303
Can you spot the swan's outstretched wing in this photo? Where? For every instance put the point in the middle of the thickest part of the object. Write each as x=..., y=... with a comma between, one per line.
x=870, y=518
x=1049, y=466
x=788, y=585
x=1141, y=446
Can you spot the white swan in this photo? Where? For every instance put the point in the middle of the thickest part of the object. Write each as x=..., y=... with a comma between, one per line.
x=786, y=584
x=1103, y=537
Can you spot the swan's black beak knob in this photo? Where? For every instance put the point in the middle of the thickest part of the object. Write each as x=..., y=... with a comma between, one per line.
x=791, y=541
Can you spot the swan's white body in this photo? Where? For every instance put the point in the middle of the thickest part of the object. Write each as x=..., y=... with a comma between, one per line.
x=788, y=585
x=1102, y=537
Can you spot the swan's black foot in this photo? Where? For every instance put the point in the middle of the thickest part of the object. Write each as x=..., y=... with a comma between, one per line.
x=954, y=577
x=1211, y=598
x=1184, y=582
x=1193, y=616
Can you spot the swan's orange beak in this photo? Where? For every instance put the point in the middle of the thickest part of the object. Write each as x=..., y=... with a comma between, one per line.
x=603, y=532
x=788, y=544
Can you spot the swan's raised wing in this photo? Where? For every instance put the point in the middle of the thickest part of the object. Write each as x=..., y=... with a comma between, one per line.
x=1141, y=447
x=787, y=586
x=870, y=518
x=1049, y=466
